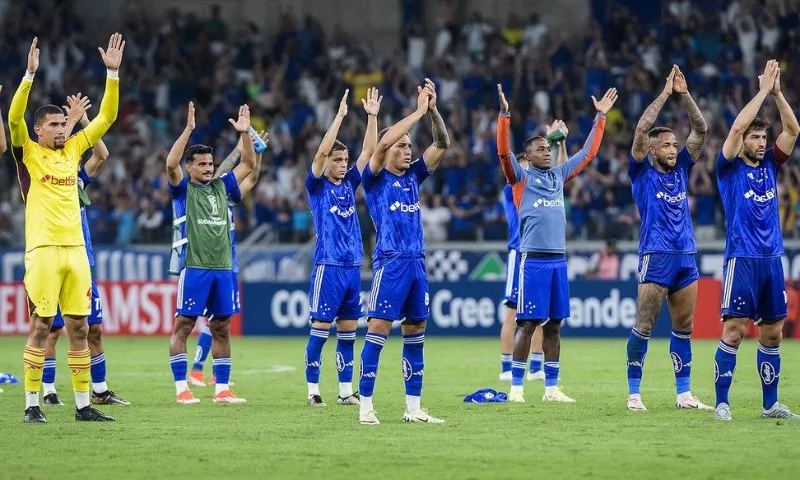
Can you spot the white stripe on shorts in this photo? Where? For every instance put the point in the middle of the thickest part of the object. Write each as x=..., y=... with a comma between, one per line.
x=317, y=287
x=726, y=296
x=521, y=287
x=181, y=277
x=643, y=273
x=376, y=287
x=510, y=267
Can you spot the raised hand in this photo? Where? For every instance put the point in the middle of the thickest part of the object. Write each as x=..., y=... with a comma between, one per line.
x=112, y=57
x=669, y=86
x=679, y=82
x=557, y=125
x=33, y=56
x=608, y=100
x=242, y=124
x=766, y=81
x=264, y=136
x=776, y=88
x=432, y=92
x=190, y=117
x=423, y=99
x=372, y=104
x=77, y=108
x=343, y=105
x=503, y=101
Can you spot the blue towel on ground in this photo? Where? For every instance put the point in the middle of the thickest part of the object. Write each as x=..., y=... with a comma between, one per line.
x=487, y=395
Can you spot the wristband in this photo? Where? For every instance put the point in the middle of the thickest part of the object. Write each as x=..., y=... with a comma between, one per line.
x=112, y=74
x=29, y=76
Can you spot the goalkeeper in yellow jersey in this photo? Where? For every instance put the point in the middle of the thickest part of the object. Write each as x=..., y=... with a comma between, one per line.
x=56, y=265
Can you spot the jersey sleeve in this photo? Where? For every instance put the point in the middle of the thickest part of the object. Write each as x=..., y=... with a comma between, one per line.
x=724, y=166
x=635, y=168
x=776, y=156
x=371, y=180
x=575, y=165
x=354, y=177
x=85, y=178
x=179, y=190
x=508, y=161
x=685, y=159
x=419, y=170
x=313, y=183
x=231, y=187
x=92, y=133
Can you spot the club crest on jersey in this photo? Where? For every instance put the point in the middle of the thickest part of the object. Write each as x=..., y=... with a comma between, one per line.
x=768, y=196
x=767, y=372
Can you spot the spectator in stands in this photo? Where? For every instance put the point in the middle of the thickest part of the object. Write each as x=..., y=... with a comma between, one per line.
x=604, y=265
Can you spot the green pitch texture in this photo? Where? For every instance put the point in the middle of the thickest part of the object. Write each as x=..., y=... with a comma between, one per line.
x=275, y=435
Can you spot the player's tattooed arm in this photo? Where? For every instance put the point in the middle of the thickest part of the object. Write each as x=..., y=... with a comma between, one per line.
x=248, y=163
x=766, y=82
x=791, y=129
x=378, y=160
x=77, y=108
x=372, y=105
x=230, y=161
x=3, y=142
x=649, y=117
x=697, y=137
x=441, y=140
x=321, y=157
x=174, y=170
x=248, y=183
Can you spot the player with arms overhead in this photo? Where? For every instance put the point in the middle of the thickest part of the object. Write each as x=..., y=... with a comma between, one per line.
x=543, y=297
x=336, y=277
x=399, y=281
x=659, y=174
x=101, y=395
x=206, y=277
x=753, y=285
x=205, y=339
x=556, y=137
x=57, y=271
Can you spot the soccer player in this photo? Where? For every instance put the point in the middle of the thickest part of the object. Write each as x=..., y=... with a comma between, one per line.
x=399, y=282
x=754, y=287
x=57, y=272
x=543, y=296
x=206, y=278
x=338, y=255
x=558, y=152
x=204, y=340
x=76, y=113
x=659, y=173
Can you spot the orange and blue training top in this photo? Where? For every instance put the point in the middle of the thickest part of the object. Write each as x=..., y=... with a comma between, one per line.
x=539, y=193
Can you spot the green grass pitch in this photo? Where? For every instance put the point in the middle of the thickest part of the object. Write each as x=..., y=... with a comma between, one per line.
x=275, y=435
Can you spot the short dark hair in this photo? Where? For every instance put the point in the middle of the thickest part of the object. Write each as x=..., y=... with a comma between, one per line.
x=656, y=131
x=758, y=124
x=383, y=132
x=188, y=157
x=338, y=146
x=527, y=143
x=45, y=110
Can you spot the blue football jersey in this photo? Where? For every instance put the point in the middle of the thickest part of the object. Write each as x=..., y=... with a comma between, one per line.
x=512, y=217
x=663, y=203
x=750, y=199
x=85, y=180
x=333, y=208
x=393, y=202
x=234, y=257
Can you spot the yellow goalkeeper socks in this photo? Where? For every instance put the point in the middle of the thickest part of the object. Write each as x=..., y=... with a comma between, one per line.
x=79, y=361
x=33, y=361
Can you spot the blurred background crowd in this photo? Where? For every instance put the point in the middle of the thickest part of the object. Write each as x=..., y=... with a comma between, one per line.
x=294, y=77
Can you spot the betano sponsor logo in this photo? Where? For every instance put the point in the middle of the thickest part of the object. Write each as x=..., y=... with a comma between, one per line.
x=342, y=213
x=404, y=207
x=671, y=198
x=59, y=181
x=543, y=202
x=768, y=196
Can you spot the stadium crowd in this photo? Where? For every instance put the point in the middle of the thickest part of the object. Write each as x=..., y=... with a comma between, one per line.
x=294, y=78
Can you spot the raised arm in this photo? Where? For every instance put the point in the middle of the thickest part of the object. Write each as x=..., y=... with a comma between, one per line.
x=508, y=162
x=321, y=157
x=248, y=163
x=77, y=108
x=396, y=131
x=441, y=141
x=694, y=143
x=230, y=161
x=557, y=138
x=174, y=170
x=16, y=112
x=649, y=117
x=575, y=165
x=766, y=82
x=791, y=129
x=109, y=106
x=372, y=105
x=3, y=142
x=247, y=185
